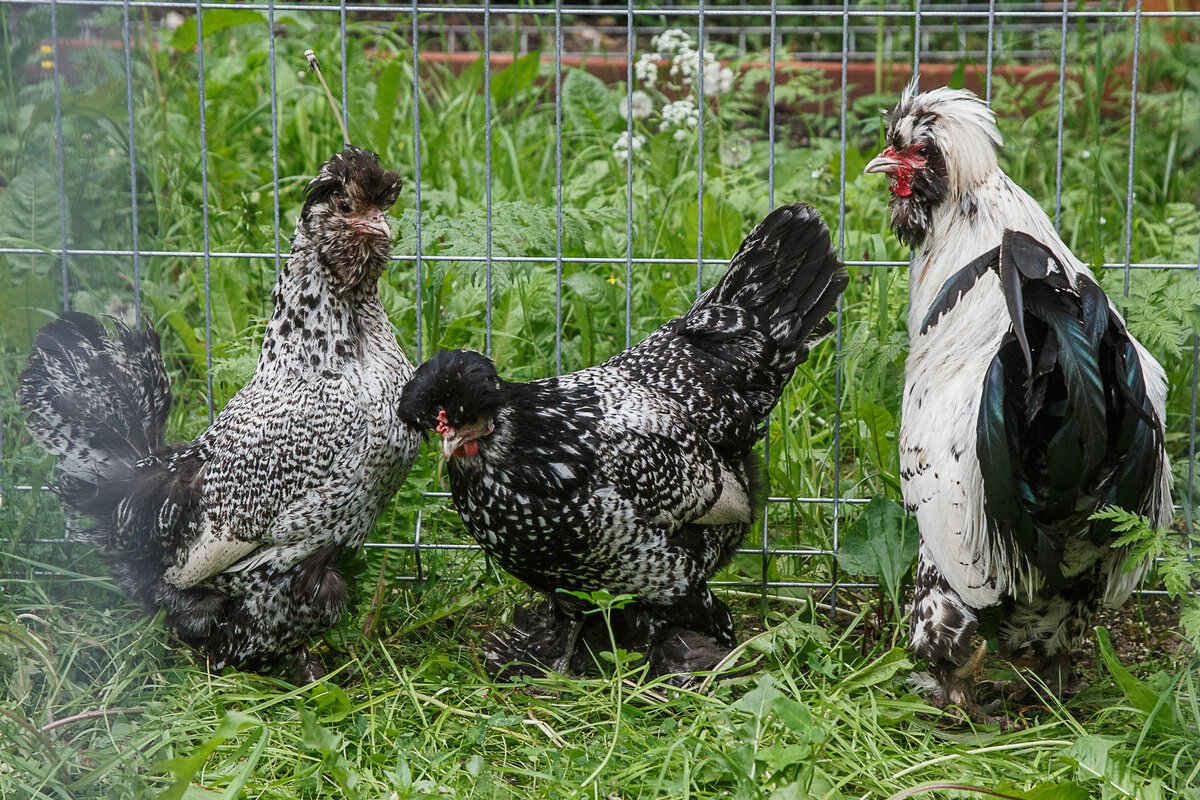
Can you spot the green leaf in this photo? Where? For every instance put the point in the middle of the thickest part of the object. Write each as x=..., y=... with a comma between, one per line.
x=759, y=701
x=387, y=91
x=879, y=423
x=106, y=101
x=183, y=769
x=504, y=720
x=588, y=102
x=799, y=719
x=212, y=21
x=879, y=670
x=1139, y=695
x=519, y=75
x=194, y=344
x=1066, y=790
x=315, y=735
x=797, y=790
x=29, y=208
x=331, y=701
x=591, y=288
x=882, y=544
x=1090, y=754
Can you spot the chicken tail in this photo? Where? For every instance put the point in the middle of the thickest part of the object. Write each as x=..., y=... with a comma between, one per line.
x=787, y=275
x=98, y=401
x=770, y=307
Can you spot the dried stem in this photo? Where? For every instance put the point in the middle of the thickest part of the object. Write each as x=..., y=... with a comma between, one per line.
x=313, y=66
x=108, y=712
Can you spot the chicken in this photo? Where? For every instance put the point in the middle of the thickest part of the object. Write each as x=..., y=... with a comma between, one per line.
x=1027, y=407
x=638, y=475
x=237, y=534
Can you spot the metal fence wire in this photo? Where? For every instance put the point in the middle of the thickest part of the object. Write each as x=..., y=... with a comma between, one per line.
x=843, y=36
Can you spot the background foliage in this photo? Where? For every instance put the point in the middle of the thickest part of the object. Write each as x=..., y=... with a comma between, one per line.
x=411, y=714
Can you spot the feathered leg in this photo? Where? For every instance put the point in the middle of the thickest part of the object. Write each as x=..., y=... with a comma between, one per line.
x=537, y=641
x=942, y=628
x=274, y=620
x=1040, y=635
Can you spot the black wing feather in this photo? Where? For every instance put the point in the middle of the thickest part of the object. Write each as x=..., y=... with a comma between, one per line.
x=1065, y=426
x=958, y=285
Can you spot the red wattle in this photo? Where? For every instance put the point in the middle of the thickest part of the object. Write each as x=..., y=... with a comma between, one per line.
x=902, y=182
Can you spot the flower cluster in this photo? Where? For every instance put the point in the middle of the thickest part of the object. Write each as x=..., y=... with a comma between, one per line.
x=642, y=105
x=687, y=69
x=621, y=146
x=686, y=64
x=681, y=115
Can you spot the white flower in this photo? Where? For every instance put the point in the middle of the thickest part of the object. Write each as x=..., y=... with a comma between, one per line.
x=671, y=41
x=680, y=114
x=816, y=173
x=718, y=80
x=645, y=69
x=680, y=135
x=1086, y=154
x=642, y=105
x=1170, y=220
x=621, y=146
x=1103, y=221
x=172, y=21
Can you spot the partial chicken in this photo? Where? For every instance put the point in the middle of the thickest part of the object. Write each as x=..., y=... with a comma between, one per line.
x=638, y=475
x=237, y=534
x=1027, y=407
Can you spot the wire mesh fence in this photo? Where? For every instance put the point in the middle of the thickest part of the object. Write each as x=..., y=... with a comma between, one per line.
x=806, y=72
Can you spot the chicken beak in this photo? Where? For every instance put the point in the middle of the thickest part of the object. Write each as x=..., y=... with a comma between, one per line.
x=887, y=161
x=374, y=223
x=455, y=439
x=451, y=441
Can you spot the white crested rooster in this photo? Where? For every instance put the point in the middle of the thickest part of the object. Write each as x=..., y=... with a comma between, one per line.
x=1027, y=407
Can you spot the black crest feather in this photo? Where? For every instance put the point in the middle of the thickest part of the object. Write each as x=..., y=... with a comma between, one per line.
x=357, y=173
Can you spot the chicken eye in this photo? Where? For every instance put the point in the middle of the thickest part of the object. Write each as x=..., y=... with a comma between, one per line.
x=922, y=151
x=344, y=206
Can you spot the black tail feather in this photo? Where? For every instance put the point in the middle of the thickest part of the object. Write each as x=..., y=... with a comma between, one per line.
x=95, y=399
x=787, y=276
x=99, y=401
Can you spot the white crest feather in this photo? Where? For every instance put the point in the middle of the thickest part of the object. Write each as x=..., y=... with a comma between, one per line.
x=961, y=124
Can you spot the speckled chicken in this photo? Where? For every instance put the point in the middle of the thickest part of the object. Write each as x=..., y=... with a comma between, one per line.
x=237, y=534
x=637, y=475
x=1028, y=406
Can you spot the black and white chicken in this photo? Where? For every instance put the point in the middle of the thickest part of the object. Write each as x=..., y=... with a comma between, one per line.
x=638, y=475
x=1027, y=407
x=237, y=534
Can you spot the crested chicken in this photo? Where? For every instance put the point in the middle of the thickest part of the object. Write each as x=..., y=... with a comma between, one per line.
x=1028, y=406
x=236, y=535
x=638, y=475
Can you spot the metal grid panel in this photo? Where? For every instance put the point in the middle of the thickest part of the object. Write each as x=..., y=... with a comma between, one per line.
x=726, y=23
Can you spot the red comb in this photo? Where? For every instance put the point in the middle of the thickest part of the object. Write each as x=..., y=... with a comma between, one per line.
x=443, y=427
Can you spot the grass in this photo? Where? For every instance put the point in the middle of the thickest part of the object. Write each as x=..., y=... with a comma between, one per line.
x=411, y=714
